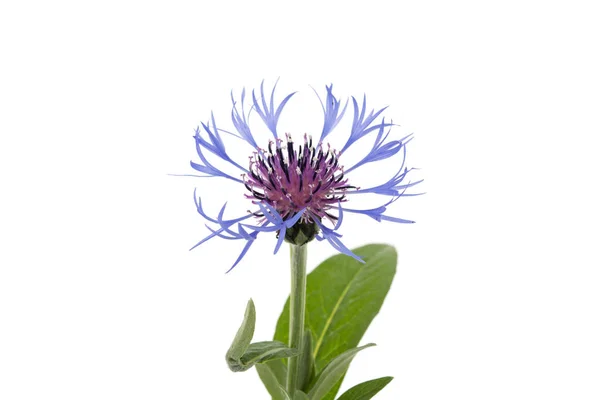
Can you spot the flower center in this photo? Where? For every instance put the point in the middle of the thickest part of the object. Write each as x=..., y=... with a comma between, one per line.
x=291, y=179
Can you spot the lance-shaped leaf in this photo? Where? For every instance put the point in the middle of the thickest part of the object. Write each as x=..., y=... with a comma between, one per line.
x=242, y=355
x=366, y=390
x=242, y=338
x=343, y=296
x=333, y=372
x=260, y=352
x=300, y=395
x=284, y=393
x=265, y=351
x=306, y=369
x=273, y=375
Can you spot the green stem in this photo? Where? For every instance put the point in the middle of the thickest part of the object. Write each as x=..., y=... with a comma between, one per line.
x=297, y=306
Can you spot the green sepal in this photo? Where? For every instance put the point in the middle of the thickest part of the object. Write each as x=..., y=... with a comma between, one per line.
x=301, y=233
x=366, y=390
x=333, y=372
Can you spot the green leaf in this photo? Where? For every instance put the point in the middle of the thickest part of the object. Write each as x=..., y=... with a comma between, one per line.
x=243, y=337
x=242, y=355
x=273, y=375
x=265, y=351
x=284, y=393
x=300, y=395
x=343, y=296
x=333, y=372
x=261, y=352
x=366, y=390
x=307, y=362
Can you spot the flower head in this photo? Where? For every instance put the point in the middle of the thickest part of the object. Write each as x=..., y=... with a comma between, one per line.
x=298, y=189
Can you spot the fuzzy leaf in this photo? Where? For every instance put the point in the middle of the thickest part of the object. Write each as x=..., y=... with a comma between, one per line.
x=307, y=362
x=366, y=390
x=265, y=351
x=261, y=352
x=273, y=375
x=284, y=393
x=242, y=338
x=242, y=355
x=300, y=395
x=333, y=372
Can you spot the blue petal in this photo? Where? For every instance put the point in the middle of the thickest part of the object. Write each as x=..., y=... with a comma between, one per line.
x=222, y=236
x=390, y=188
x=224, y=224
x=269, y=115
x=393, y=187
x=242, y=254
x=324, y=230
x=292, y=221
x=331, y=112
x=279, y=241
x=377, y=213
x=216, y=145
x=270, y=213
x=208, y=168
x=212, y=235
x=333, y=239
x=339, y=246
x=340, y=216
x=200, y=210
x=240, y=122
x=395, y=219
x=381, y=151
x=193, y=175
x=361, y=125
x=244, y=234
x=271, y=228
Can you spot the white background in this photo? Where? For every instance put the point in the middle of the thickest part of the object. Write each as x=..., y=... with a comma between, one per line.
x=496, y=294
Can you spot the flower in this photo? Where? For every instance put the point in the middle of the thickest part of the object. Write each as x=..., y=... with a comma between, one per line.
x=298, y=190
